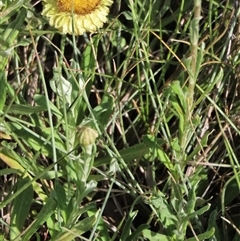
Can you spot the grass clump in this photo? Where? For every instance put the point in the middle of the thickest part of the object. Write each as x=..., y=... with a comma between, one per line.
x=127, y=134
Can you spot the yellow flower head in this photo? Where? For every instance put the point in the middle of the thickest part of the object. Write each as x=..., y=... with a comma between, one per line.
x=76, y=16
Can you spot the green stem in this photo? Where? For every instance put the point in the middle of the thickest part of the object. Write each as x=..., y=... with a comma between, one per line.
x=194, y=37
x=88, y=157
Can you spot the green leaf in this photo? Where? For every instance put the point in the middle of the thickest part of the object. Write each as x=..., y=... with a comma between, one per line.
x=9, y=35
x=128, y=15
x=150, y=235
x=3, y=84
x=13, y=160
x=213, y=224
x=196, y=213
x=127, y=226
x=128, y=154
x=231, y=191
x=191, y=200
x=189, y=209
x=156, y=151
x=88, y=58
x=36, y=141
x=41, y=101
x=164, y=211
x=163, y=157
x=102, y=226
x=177, y=196
x=8, y=171
x=203, y=236
x=24, y=109
x=78, y=229
x=2, y=238
x=138, y=232
x=21, y=207
x=199, y=59
x=103, y=111
x=61, y=199
x=11, y=7
x=177, y=90
x=199, y=147
x=41, y=218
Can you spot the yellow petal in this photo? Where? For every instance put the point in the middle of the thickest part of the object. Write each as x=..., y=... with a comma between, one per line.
x=76, y=16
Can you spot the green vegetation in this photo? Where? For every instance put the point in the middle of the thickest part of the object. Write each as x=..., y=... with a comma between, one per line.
x=128, y=134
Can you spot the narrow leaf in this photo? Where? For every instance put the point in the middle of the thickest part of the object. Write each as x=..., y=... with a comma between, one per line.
x=41, y=218
x=21, y=207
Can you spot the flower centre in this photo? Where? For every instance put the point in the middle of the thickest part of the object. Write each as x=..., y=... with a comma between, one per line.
x=81, y=7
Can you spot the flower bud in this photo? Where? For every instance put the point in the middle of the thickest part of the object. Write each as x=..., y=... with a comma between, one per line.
x=87, y=136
